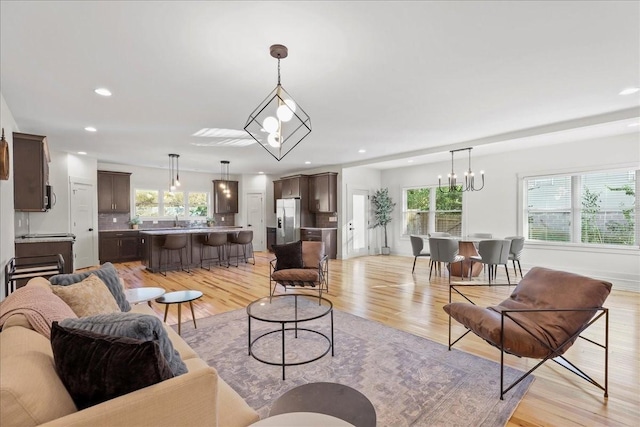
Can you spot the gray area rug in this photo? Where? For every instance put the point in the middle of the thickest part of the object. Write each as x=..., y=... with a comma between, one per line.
x=411, y=381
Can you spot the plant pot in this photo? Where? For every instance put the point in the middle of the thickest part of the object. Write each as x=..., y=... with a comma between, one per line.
x=386, y=250
x=134, y=226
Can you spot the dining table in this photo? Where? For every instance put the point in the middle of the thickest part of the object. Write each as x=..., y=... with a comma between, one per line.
x=467, y=248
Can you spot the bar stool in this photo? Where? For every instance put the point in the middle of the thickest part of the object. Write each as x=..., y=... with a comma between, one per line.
x=216, y=241
x=174, y=242
x=242, y=239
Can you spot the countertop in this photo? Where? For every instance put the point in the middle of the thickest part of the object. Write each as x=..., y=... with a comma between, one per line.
x=318, y=228
x=44, y=239
x=165, y=231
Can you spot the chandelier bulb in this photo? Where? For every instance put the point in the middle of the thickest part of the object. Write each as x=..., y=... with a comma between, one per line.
x=270, y=124
x=274, y=139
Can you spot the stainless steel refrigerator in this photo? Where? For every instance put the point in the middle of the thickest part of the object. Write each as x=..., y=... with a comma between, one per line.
x=288, y=221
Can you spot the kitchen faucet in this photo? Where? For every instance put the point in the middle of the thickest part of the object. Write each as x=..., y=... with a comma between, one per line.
x=175, y=222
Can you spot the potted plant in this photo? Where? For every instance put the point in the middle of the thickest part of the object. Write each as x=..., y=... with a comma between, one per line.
x=382, y=208
x=211, y=221
x=135, y=222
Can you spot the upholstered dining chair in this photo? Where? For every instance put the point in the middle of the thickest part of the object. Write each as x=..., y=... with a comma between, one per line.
x=299, y=264
x=444, y=250
x=481, y=235
x=492, y=253
x=543, y=317
x=439, y=234
x=515, y=252
x=417, y=246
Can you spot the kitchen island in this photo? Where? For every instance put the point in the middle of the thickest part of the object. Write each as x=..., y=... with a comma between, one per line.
x=192, y=254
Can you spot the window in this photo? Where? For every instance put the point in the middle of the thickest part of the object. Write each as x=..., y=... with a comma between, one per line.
x=423, y=213
x=173, y=202
x=590, y=208
x=198, y=204
x=147, y=203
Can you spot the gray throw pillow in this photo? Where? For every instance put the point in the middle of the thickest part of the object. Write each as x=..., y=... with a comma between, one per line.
x=132, y=325
x=107, y=273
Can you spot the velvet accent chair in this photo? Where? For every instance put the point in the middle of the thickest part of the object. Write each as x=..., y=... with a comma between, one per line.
x=299, y=264
x=444, y=250
x=515, y=252
x=543, y=317
x=492, y=253
x=417, y=245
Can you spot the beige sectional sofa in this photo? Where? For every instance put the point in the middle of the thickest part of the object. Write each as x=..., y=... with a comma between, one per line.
x=32, y=394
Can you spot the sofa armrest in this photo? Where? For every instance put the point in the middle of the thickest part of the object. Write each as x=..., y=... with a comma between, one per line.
x=190, y=399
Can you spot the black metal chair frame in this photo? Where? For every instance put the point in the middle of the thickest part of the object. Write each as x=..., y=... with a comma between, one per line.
x=231, y=243
x=31, y=266
x=554, y=353
x=322, y=284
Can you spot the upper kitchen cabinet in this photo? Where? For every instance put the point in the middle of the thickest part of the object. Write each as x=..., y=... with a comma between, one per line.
x=295, y=186
x=323, y=189
x=114, y=192
x=224, y=202
x=30, y=172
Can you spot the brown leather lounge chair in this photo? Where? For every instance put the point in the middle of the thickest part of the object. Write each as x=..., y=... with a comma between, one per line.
x=300, y=264
x=543, y=317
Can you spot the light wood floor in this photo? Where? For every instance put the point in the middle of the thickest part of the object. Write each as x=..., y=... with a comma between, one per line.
x=382, y=288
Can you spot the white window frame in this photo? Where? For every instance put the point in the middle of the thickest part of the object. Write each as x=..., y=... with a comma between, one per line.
x=431, y=222
x=162, y=217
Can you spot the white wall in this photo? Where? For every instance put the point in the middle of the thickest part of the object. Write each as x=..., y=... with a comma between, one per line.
x=7, y=248
x=495, y=209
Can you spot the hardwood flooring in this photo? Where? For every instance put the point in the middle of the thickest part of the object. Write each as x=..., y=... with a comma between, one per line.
x=382, y=288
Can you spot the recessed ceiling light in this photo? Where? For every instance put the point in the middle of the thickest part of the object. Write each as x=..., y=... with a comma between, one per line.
x=90, y=129
x=307, y=162
x=631, y=125
x=409, y=161
x=83, y=153
x=362, y=150
x=629, y=91
x=103, y=91
x=260, y=173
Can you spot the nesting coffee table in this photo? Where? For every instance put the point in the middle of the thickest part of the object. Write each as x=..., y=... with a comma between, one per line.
x=336, y=400
x=179, y=297
x=289, y=310
x=145, y=294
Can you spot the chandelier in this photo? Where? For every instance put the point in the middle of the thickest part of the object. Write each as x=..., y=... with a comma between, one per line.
x=174, y=171
x=278, y=124
x=224, y=178
x=469, y=177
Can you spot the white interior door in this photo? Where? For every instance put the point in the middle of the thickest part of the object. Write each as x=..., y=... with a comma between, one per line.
x=358, y=223
x=255, y=220
x=82, y=224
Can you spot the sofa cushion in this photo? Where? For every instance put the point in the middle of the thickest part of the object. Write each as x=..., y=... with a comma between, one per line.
x=133, y=325
x=107, y=273
x=88, y=297
x=96, y=367
x=31, y=393
x=288, y=255
x=296, y=276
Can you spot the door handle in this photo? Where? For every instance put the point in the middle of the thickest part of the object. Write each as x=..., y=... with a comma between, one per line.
x=248, y=225
x=91, y=229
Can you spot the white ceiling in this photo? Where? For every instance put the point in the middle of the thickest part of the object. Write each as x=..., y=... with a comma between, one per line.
x=399, y=79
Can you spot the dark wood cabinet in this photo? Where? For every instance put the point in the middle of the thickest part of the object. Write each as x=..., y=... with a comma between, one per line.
x=326, y=235
x=114, y=192
x=30, y=172
x=323, y=190
x=39, y=248
x=295, y=186
x=120, y=246
x=224, y=203
x=271, y=238
x=277, y=193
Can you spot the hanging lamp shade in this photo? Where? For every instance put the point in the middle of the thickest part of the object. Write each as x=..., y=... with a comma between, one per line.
x=278, y=123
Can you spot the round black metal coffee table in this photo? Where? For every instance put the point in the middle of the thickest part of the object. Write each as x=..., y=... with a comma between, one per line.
x=337, y=400
x=286, y=310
